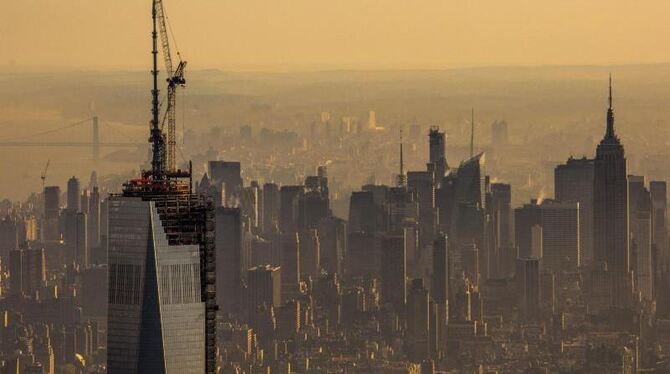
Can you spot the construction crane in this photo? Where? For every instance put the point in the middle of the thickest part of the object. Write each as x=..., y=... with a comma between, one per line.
x=175, y=78
x=43, y=176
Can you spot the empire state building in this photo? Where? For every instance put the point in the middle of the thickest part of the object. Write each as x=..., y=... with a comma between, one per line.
x=612, y=278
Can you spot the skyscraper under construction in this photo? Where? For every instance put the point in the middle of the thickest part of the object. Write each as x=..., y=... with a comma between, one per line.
x=162, y=298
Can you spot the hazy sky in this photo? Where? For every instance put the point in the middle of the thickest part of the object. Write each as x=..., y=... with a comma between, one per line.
x=270, y=34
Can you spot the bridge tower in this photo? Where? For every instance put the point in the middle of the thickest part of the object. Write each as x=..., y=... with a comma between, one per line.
x=96, y=139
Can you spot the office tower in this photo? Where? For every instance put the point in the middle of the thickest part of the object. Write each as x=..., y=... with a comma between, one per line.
x=439, y=287
x=332, y=233
x=290, y=208
x=641, y=252
x=573, y=181
x=610, y=216
x=499, y=133
x=560, y=236
x=27, y=270
x=316, y=200
x=9, y=236
x=525, y=218
x=394, y=272
x=15, y=257
x=310, y=253
x=403, y=209
x=264, y=288
x=362, y=212
x=249, y=200
x=501, y=226
x=149, y=247
x=528, y=289
x=229, y=174
x=94, y=221
x=73, y=194
x=75, y=238
x=229, y=263
x=270, y=208
x=162, y=264
x=51, y=230
x=418, y=322
x=422, y=185
x=437, y=157
x=84, y=200
x=659, y=203
x=289, y=260
x=363, y=256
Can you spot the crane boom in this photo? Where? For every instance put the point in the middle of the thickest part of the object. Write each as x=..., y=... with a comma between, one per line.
x=43, y=176
x=175, y=78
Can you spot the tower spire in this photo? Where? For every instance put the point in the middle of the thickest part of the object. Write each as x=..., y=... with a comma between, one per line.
x=401, y=176
x=472, y=133
x=610, y=113
x=156, y=138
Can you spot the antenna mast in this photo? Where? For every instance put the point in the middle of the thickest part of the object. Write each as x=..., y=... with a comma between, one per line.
x=156, y=138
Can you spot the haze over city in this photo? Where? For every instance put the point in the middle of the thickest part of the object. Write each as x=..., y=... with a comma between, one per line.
x=334, y=187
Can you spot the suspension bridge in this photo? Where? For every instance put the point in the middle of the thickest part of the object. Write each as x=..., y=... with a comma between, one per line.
x=95, y=144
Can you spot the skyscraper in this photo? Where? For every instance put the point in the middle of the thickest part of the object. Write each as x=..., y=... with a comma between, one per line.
x=229, y=258
x=528, y=288
x=228, y=173
x=76, y=238
x=610, y=216
x=437, y=153
x=162, y=264
x=394, y=272
x=573, y=181
x=50, y=228
x=74, y=194
x=264, y=288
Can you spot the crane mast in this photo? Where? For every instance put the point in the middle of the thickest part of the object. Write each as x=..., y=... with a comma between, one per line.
x=175, y=78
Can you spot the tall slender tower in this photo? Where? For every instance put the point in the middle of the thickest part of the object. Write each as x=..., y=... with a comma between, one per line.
x=162, y=268
x=402, y=178
x=610, y=217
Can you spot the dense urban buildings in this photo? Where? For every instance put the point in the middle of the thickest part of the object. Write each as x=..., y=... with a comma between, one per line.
x=350, y=241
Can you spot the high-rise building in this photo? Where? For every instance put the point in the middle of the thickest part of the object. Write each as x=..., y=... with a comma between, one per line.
x=50, y=229
x=9, y=236
x=249, y=203
x=499, y=133
x=610, y=219
x=418, y=322
x=264, y=288
x=162, y=264
x=229, y=174
x=229, y=259
x=310, y=253
x=289, y=259
x=157, y=320
x=437, y=156
x=74, y=194
x=290, y=208
x=422, y=185
x=560, y=236
x=642, y=257
x=270, y=208
x=34, y=269
x=439, y=287
x=94, y=220
x=502, y=235
x=528, y=288
x=573, y=181
x=525, y=218
x=75, y=238
x=394, y=272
